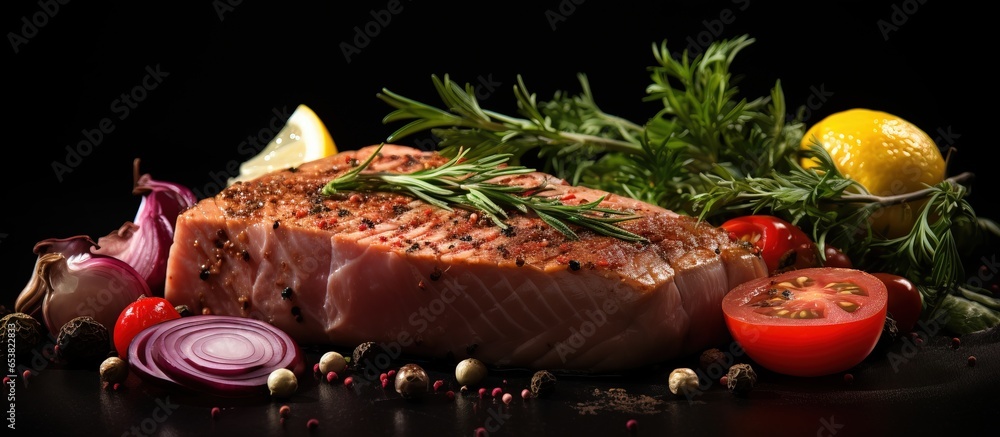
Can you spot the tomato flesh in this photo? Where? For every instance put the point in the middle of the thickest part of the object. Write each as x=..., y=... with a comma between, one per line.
x=139, y=315
x=808, y=322
x=782, y=245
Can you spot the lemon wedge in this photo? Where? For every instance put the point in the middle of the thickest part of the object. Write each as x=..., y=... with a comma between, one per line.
x=303, y=138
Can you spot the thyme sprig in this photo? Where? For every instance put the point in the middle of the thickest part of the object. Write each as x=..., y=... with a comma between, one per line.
x=466, y=183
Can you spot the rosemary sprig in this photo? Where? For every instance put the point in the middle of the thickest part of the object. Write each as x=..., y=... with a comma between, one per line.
x=466, y=184
x=709, y=152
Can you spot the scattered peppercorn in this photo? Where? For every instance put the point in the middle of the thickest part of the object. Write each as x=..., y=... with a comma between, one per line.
x=574, y=265
x=741, y=379
x=507, y=398
x=450, y=395
x=114, y=370
x=711, y=357
x=365, y=355
x=525, y=394
x=956, y=342
x=215, y=412
x=284, y=411
x=349, y=381
x=183, y=310
x=481, y=432
x=482, y=392
x=282, y=383
x=331, y=376
x=312, y=424
x=972, y=361
x=848, y=378
x=26, y=335
x=543, y=383
x=470, y=371
x=438, y=384
x=84, y=341
x=682, y=381
x=632, y=425
x=497, y=392
x=412, y=382
x=332, y=362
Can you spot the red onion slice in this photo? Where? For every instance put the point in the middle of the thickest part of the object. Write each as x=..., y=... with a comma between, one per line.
x=223, y=355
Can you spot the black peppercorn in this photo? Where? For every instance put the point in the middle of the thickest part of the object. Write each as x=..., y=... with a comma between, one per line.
x=741, y=379
x=84, y=341
x=27, y=333
x=367, y=355
x=712, y=357
x=543, y=383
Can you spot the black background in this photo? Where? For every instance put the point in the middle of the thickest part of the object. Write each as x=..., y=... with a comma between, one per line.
x=228, y=68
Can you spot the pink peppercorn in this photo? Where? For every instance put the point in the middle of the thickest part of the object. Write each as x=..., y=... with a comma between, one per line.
x=312, y=424
x=6, y=380
x=383, y=377
x=450, y=395
x=385, y=383
x=284, y=411
x=848, y=378
x=497, y=392
x=632, y=425
x=507, y=398
x=972, y=360
x=331, y=376
x=117, y=386
x=216, y=412
x=955, y=343
x=316, y=368
x=482, y=392
x=525, y=394
x=391, y=373
x=349, y=381
x=438, y=384
x=481, y=432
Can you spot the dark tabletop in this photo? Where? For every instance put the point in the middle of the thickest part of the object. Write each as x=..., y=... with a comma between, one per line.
x=227, y=67
x=920, y=385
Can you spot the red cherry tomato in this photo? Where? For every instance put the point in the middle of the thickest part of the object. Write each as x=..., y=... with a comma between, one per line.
x=809, y=322
x=782, y=245
x=905, y=302
x=141, y=314
x=836, y=258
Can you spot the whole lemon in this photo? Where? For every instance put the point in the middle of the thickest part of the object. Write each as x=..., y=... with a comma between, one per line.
x=885, y=154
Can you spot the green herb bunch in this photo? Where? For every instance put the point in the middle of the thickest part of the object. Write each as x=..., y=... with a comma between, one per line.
x=711, y=153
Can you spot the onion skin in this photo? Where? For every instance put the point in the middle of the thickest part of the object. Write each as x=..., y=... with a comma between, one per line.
x=69, y=281
x=144, y=243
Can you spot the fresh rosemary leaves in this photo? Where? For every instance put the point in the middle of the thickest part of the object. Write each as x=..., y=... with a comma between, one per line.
x=466, y=184
x=712, y=154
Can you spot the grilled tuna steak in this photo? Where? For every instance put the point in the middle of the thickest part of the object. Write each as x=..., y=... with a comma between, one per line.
x=348, y=269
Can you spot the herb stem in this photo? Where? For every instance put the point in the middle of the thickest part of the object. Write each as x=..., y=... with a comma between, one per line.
x=899, y=198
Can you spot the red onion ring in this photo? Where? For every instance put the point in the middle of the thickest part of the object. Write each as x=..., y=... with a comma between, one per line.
x=222, y=355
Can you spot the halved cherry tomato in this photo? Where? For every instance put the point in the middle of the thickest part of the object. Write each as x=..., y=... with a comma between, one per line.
x=905, y=302
x=782, y=245
x=138, y=315
x=809, y=322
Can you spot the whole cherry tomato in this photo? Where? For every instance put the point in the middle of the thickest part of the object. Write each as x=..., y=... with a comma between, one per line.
x=837, y=258
x=782, y=245
x=905, y=302
x=138, y=315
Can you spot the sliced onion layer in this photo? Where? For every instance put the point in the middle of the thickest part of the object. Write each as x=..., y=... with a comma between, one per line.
x=221, y=355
